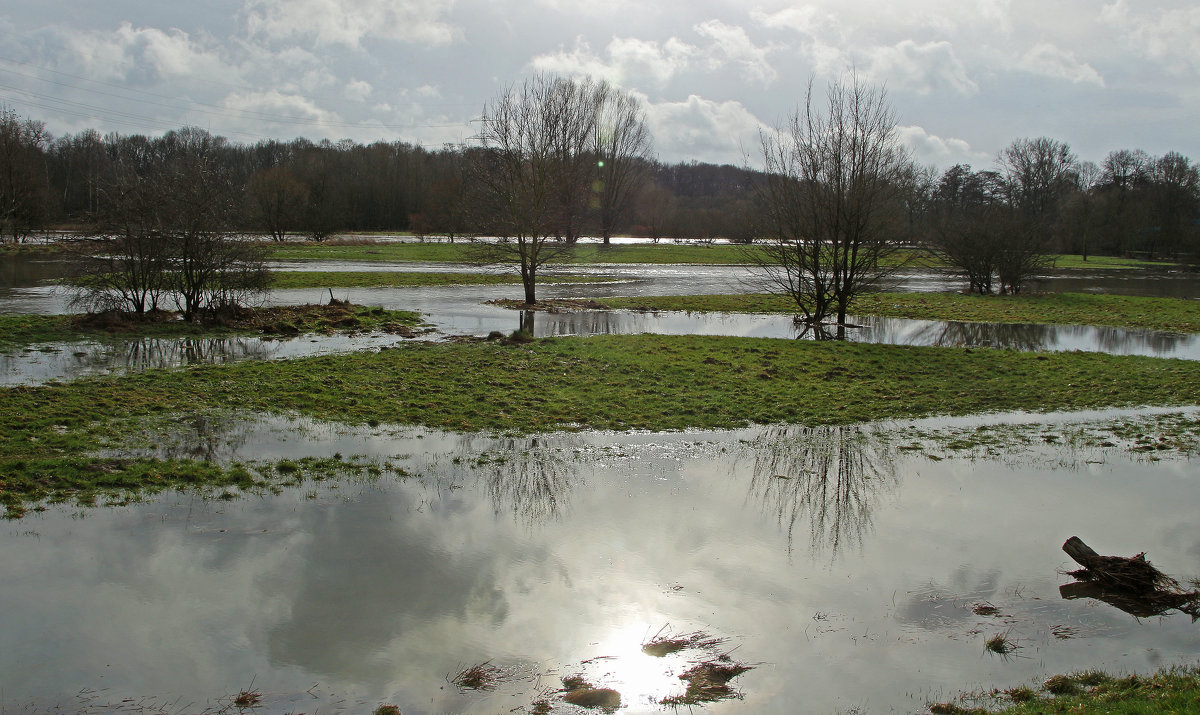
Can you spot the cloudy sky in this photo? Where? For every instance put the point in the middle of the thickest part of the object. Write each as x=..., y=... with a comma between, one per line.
x=966, y=77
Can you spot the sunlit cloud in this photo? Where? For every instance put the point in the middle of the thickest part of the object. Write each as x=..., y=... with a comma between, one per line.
x=724, y=132
x=349, y=22
x=921, y=68
x=1047, y=60
x=928, y=148
x=731, y=45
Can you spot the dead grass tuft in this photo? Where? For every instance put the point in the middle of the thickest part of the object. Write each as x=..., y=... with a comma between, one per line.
x=482, y=676
x=708, y=682
x=247, y=699
x=665, y=644
x=984, y=608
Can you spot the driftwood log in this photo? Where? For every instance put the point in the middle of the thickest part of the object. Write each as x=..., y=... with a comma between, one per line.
x=1131, y=583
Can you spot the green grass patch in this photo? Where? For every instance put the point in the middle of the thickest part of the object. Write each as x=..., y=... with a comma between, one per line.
x=1108, y=263
x=389, y=279
x=1170, y=690
x=603, y=382
x=466, y=252
x=18, y=331
x=1168, y=314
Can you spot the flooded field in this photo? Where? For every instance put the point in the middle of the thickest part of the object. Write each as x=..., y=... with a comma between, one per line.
x=464, y=310
x=847, y=568
x=860, y=568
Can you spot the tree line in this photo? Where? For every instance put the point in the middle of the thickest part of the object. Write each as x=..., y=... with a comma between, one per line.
x=1131, y=203
x=312, y=190
x=559, y=158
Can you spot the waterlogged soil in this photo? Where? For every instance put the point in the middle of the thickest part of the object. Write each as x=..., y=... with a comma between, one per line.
x=812, y=555
x=113, y=343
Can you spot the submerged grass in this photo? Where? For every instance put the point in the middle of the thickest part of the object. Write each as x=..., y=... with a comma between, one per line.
x=49, y=434
x=666, y=252
x=391, y=279
x=18, y=331
x=467, y=252
x=1167, y=314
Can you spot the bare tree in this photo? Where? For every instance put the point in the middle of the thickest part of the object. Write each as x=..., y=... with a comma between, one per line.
x=276, y=200
x=832, y=197
x=573, y=111
x=1037, y=174
x=129, y=271
x=521, y=170
x=622, y=148
x=167, y=231
x=968, y=218
x=24, y=184
x=1175, y=201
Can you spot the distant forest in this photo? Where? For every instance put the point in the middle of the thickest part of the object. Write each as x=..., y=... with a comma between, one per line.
x=1130, y=204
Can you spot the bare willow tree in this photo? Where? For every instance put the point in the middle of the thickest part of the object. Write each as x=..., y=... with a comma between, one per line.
x=165, y=232
x=573, y=108
x=623, y=152
x=536, y=173
x=518, y=176
x=832, y=196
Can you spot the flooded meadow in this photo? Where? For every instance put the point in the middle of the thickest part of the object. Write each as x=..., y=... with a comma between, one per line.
x=854, y=568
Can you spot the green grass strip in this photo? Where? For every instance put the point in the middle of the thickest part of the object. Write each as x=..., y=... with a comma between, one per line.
x=1168, y=314
x=390, y=279
x=663, y=253
x=1170, y=690
x=606, y=382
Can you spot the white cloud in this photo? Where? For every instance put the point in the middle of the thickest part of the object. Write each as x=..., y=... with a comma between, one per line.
x=928, y=148
x=1050, y=61
x=1165, y=35
x=650, y=59
x=358, y=90
x=805, y=19
x=140, y=55
x=921, y=68
x=625, y=59
x=731, y=44
x=996, y=13
x=721, y=132
x=349, y=22
x=276, y=104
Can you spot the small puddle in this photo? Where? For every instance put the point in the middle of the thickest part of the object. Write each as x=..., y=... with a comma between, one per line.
x=812, y=554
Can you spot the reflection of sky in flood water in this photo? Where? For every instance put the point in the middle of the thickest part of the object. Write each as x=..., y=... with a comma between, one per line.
x=845, y=567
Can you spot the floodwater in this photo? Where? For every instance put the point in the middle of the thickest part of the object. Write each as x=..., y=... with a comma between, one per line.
x=26, y=287
x=842, y=563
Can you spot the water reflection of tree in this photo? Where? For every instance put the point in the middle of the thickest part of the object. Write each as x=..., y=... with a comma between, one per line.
x=828, y=477
x=1121, y=340
x=153, y=352
x=996, y=335
x=955, y=334
x=204, y=437
x=528, y=477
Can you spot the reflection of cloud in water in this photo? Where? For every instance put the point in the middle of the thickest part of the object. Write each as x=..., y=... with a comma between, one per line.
x=829, y=477
x=368, y=581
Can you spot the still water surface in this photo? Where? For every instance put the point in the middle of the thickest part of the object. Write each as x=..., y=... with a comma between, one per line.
x=843, y=563
x=463, y=310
